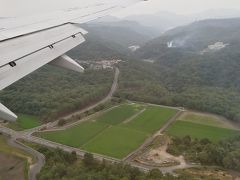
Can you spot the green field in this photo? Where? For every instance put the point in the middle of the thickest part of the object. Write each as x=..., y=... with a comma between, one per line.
x=151, y=119
x=25, y=122
x=119, y=114
x=77, y=135
x=202, y=126
x=110, y=134
x=116, y=142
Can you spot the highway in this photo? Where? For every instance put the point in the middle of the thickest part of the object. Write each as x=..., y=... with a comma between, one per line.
x=29, y=138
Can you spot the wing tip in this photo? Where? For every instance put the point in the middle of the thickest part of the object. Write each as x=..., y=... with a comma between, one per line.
x=6, y=114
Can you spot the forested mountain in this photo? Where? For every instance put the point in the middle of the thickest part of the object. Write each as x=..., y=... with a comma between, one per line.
x=196, y=66
x=194, y=37
x=142, y=29
x=111, y=39
x=194, y=53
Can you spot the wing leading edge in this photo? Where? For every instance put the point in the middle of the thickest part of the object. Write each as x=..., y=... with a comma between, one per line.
x=26, y=45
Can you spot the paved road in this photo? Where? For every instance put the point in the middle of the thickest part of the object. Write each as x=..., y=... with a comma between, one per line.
x=40, y=158
x=104, y=100
x=28, y=137
x=54, y=145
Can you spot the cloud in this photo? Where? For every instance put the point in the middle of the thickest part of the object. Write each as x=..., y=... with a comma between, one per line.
x=25, y=7
x=179, y=6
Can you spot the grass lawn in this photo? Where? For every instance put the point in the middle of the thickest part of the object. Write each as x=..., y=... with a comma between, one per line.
x=118, y=114
x=77, y=135
x=25, y=122
x=205, y=119
x=200, y=131
x=116, y=142
x=151, y=119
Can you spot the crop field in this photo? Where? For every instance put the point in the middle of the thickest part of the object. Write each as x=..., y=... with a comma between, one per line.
x=116, y=132
x=202, y=126
x=118, y=115
x=25, y=122
x=151, y=119
x=116, y=142
x=76, y=136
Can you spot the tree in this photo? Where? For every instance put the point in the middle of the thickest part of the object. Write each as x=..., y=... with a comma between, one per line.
x=155, y=173
x=88, y=160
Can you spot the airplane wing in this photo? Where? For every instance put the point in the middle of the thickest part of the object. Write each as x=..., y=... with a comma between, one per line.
x=28, y=43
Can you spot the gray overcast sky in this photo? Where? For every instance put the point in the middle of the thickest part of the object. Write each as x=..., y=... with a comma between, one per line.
x=16, y=7
x=180, y=6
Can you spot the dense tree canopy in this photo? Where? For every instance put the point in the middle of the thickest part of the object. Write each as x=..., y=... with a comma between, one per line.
x=51, y=92
x=226, y=153
x=64, y=166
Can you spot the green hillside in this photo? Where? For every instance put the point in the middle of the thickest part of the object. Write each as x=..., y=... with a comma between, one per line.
x=189, y=74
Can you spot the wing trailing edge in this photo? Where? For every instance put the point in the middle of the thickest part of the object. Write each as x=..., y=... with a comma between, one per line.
x=38, y=52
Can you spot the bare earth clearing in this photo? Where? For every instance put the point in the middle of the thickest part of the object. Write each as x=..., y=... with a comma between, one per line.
x=158, y=156
x=11, y=167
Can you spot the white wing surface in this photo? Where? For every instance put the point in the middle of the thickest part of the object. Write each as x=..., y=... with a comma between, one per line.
x=27, y=43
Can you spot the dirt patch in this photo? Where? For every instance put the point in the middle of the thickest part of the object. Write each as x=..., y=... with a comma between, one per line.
x=156, y=155
x=11, y=167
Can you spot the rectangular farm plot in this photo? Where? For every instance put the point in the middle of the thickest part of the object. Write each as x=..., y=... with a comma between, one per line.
x=118, y=114
x=77, y=135
x=200, y=131
x=116, y=142
x=152, y=119
x=115, y=133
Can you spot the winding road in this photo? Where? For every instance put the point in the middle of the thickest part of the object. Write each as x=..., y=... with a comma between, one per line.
x=27, y=136
x=40, y=158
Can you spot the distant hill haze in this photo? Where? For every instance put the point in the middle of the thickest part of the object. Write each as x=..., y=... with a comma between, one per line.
x=194, y=37
x=112, y=38
x=163, y=21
